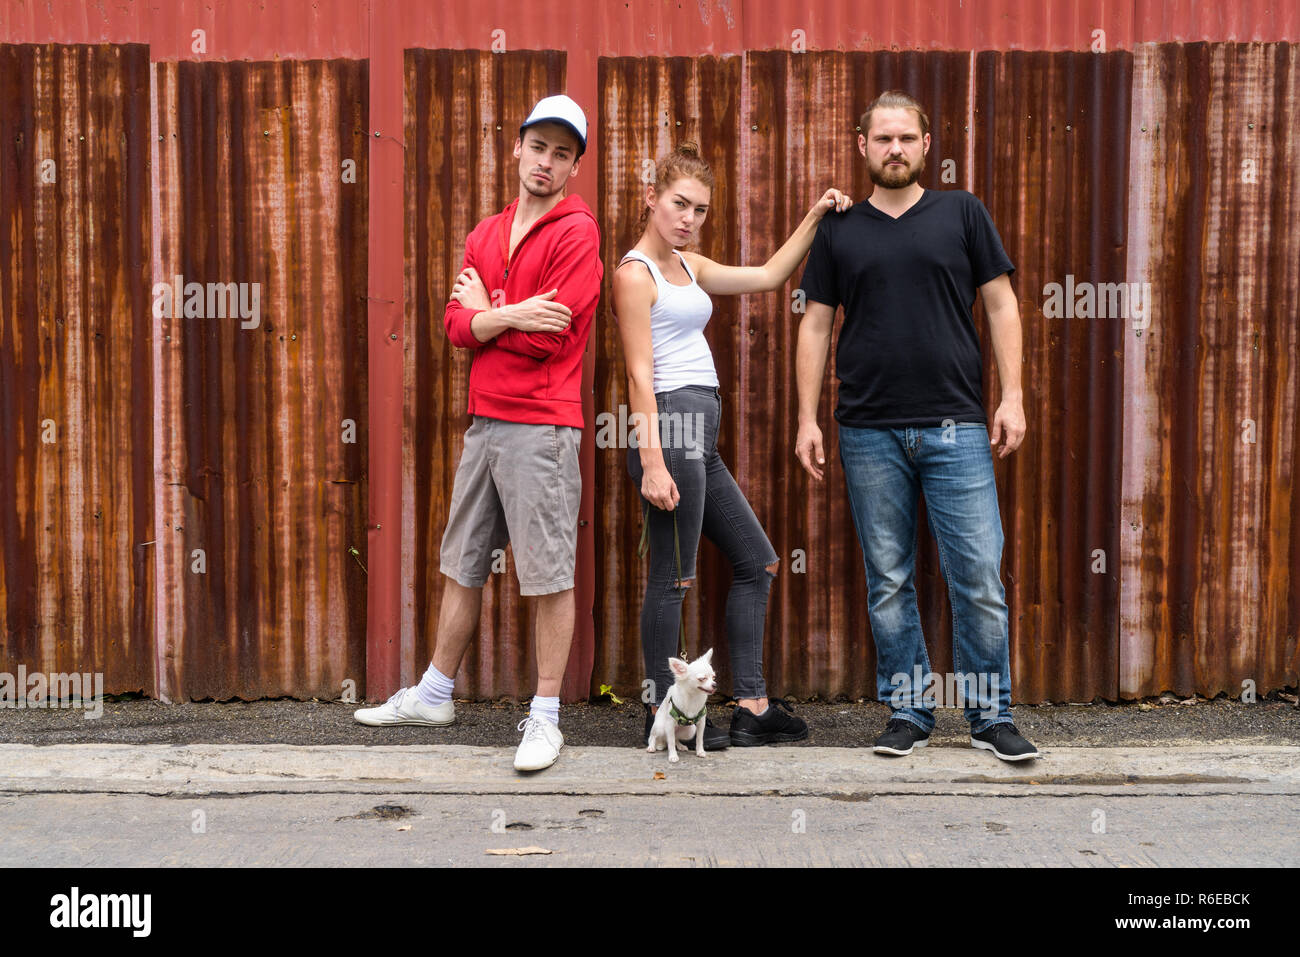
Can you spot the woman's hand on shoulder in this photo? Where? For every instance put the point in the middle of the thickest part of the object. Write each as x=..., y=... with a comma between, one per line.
x=832, y=199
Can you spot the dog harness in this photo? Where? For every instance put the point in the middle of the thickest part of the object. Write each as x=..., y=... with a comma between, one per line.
x=682, y=718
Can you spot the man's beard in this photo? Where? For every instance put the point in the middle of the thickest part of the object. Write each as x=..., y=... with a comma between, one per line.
x=893, y=178
x=541, y=190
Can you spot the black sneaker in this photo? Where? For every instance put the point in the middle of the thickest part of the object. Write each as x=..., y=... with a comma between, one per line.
x=1005, y=741
x=715, y=739
x=772, y=726
x=900, y=738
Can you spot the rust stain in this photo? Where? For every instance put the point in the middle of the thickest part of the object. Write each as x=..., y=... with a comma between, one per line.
x=263, y=415
x=1211, y=582
x=1051, y=152
x=76, y=490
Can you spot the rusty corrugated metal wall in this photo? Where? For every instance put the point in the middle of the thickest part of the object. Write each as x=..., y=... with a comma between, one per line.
x=799, y=132
x=1151, y=539
x=646, y=106
x=1049, y=157
x=76, y=461
x=1212, y=566
x=261, y=420
x=462, y=113
x=1065, y=637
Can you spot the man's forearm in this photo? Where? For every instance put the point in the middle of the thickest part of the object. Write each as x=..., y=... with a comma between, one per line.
x=489, y=324
x=810, y=367
x=1004, y=330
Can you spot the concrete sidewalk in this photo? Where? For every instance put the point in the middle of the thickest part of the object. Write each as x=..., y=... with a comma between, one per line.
x=837, y=773
x=276, y=805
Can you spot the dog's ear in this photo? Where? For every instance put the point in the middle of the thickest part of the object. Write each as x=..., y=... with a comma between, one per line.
x=706, y=656
x=678, y=666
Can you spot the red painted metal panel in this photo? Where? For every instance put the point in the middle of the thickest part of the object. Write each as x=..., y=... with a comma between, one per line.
x=1188, y=21
x=669, y=28
x=940, y=25
x=390, y=502
x=297, y=29
x=232, y=29
x=76, y=461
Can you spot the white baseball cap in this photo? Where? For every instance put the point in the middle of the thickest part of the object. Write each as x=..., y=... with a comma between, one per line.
x=559, y=109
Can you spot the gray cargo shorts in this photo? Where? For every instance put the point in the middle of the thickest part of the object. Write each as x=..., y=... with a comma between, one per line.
x=521, y=484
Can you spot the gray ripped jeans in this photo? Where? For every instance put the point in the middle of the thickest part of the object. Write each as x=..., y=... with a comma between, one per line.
x=713, y=505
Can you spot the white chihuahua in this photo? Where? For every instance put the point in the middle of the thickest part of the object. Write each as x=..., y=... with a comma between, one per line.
x=682, y=713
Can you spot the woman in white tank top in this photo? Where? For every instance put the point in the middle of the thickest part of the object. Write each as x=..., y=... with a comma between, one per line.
x=661, y=301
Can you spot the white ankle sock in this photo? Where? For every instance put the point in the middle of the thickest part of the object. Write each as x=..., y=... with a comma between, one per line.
x=548, y=708
x=435, y=687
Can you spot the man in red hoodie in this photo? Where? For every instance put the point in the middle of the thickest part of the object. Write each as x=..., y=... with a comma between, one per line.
x=518, y=478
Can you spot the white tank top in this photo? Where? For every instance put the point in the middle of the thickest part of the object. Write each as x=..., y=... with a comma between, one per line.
x=677, y=320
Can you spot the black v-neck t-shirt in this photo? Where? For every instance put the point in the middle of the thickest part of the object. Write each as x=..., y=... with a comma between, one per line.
x=908, y=353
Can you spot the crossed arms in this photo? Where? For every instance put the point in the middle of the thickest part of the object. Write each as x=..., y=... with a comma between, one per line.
x=538, y=325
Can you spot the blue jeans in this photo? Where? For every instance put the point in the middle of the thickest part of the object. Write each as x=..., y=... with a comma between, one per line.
x=885, y=469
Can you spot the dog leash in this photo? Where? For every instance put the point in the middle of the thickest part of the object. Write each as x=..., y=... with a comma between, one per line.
x=644, y=546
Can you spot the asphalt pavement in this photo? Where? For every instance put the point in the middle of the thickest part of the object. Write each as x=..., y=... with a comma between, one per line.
x=853, y=724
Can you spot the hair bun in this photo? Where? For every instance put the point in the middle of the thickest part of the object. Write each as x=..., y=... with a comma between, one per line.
x=683, y=160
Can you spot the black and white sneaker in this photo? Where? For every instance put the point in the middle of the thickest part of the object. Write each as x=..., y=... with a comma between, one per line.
x=771, y=727
x=1005, y=741
x=715, y=738
x=900, y=737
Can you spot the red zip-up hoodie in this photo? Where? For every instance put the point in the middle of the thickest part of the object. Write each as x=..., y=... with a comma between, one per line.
x=532, y=377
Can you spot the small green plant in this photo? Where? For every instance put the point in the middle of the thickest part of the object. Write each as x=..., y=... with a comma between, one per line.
x=608, y=691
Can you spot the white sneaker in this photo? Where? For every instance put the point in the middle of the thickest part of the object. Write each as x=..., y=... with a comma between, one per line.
x=405, y=707
x=541, y=744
